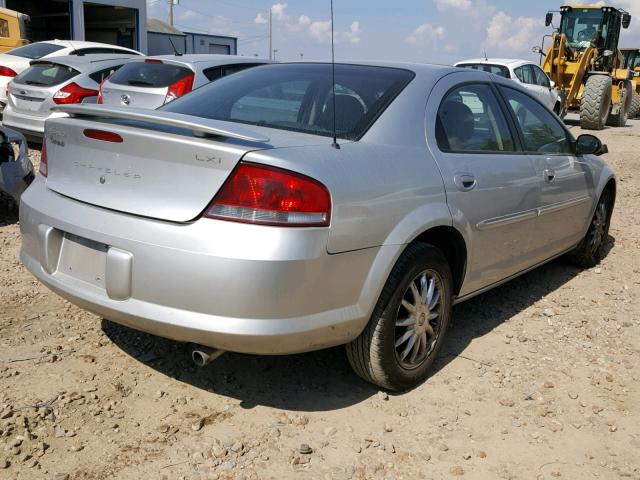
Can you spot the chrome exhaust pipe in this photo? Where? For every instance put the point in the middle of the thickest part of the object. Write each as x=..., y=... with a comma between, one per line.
x=204, y=356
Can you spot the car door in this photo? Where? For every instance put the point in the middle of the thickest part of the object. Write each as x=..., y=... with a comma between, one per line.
x=566, y=187
x=492, y=188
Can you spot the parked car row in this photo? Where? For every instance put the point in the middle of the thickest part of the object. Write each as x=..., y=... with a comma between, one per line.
x=283, y=209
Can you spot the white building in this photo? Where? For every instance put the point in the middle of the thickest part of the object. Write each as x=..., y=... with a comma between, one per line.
x=118, y=22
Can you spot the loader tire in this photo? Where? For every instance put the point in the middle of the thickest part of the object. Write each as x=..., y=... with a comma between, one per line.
x=596, y=102
x=620, y=118
x=635, y=106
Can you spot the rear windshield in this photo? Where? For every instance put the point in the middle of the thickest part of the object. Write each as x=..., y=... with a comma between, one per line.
x=35, y=50
x=489, y=68
x=152, y=75
x=46, y=75
x=298, y=97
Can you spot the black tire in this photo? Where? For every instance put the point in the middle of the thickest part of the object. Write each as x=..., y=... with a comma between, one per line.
x=635, y=105
x=374, y=354
x=626, y=96
x=595, y=104
x=590, y=251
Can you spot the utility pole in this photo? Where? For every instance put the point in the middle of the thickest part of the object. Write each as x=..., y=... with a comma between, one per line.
x=171, y=4
x=270, y=36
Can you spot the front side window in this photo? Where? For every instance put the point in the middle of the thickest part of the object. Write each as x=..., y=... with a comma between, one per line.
x=298, y=97
x=525, y=75
x=470, y=120
x=541, y=77
x=540, y=129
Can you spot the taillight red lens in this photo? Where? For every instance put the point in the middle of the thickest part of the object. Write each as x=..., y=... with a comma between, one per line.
x=73, y=93
x=179, y=88
x=7, y=72
x=271, y=196
x=102, y=135
x=152, y=60
x=44, y=163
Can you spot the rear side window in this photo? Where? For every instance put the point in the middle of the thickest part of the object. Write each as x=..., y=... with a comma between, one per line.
x=540, y=129
x=299, y=97
x=470, y=120
x=98, y=77
x=500, y=70
x=35, y=50
x=215, y=73
x=46, y=75
x=152, y=75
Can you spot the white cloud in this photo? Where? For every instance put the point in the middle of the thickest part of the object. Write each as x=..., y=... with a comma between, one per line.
x=425, y=33
x=186, y=15
x=320, y=30
x=453, y=4
x=278, y=12
x=353, y=35
x=260, y=19
x=304, y=20
x=512, y=36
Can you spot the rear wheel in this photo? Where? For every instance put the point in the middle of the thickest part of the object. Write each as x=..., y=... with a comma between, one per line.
x=592, y=247
x=595, y=104
x=626, y=96
x=405, y=332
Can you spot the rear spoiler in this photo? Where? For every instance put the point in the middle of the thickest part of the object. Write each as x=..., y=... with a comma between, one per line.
x=198, y=125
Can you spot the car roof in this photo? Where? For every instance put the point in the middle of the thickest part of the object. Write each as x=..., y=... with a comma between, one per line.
x=77, y=44
x=88, y=63
x=511, y=62
x=433, y=69
x=213, y=59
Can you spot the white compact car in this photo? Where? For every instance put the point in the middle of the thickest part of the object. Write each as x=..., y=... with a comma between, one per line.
x=527, y=73
x=15, y=61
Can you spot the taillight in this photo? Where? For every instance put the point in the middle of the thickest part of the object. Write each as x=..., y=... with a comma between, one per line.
x=44, y=163
x=152, y=60
x=271, y=196
x=179, y=88
x=7, y=72
x=73, y=93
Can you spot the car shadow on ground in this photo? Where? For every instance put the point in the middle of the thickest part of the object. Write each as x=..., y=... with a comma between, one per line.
x=323, y=380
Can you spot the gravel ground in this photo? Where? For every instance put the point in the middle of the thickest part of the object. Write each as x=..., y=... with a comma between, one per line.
x=538, y=380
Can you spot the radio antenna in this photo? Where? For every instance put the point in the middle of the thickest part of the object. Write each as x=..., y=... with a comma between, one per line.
x=333, y=84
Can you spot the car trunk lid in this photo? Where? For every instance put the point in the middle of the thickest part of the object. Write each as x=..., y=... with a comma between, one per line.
x=151, y=163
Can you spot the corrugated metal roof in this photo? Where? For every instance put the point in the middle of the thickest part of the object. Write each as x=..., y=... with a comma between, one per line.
x=158, y=26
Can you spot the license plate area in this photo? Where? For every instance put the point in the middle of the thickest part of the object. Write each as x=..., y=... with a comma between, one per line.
x=83, y=259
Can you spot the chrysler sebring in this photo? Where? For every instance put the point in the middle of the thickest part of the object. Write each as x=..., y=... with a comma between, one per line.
x=232, y=218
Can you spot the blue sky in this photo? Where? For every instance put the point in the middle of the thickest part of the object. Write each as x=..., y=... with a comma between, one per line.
x=439, y=31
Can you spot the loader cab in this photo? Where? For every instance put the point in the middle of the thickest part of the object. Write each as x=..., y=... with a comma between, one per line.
x=597, y=27
x=632, y=60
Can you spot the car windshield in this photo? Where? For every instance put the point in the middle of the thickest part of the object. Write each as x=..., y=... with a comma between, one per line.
x=45, y=74
x=298, y=97
x=500, y=70
x=35, y=50
x=582, y=26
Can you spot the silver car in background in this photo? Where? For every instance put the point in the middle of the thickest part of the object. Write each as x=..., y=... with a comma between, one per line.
x=50, y=83
x=153, y=81
x=233, y=218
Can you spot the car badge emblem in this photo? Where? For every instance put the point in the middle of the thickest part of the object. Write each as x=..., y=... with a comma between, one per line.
x=103, y=179
x=126, y=99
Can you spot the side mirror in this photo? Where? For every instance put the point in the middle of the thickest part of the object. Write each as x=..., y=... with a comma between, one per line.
x=626, y=20
x=548, y=19
x=590, y=145
x=536, y=49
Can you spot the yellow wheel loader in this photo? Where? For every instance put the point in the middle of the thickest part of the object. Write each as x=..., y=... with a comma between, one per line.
x=585, y=63
x=632, y=62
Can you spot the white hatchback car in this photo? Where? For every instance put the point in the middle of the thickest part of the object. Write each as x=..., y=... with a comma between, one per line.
x=527, y=73
x=16, y=61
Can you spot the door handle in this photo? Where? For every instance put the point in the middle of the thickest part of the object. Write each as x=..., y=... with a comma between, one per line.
x=464, y=181
x=549, y=175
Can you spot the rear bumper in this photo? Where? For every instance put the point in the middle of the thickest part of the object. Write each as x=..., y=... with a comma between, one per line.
x=231, y=286
x=28, y=124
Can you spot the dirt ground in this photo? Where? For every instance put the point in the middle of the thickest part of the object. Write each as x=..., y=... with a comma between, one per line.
x=538, y=380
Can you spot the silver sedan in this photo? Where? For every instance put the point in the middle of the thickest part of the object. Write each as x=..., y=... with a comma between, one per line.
x=233, y=218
